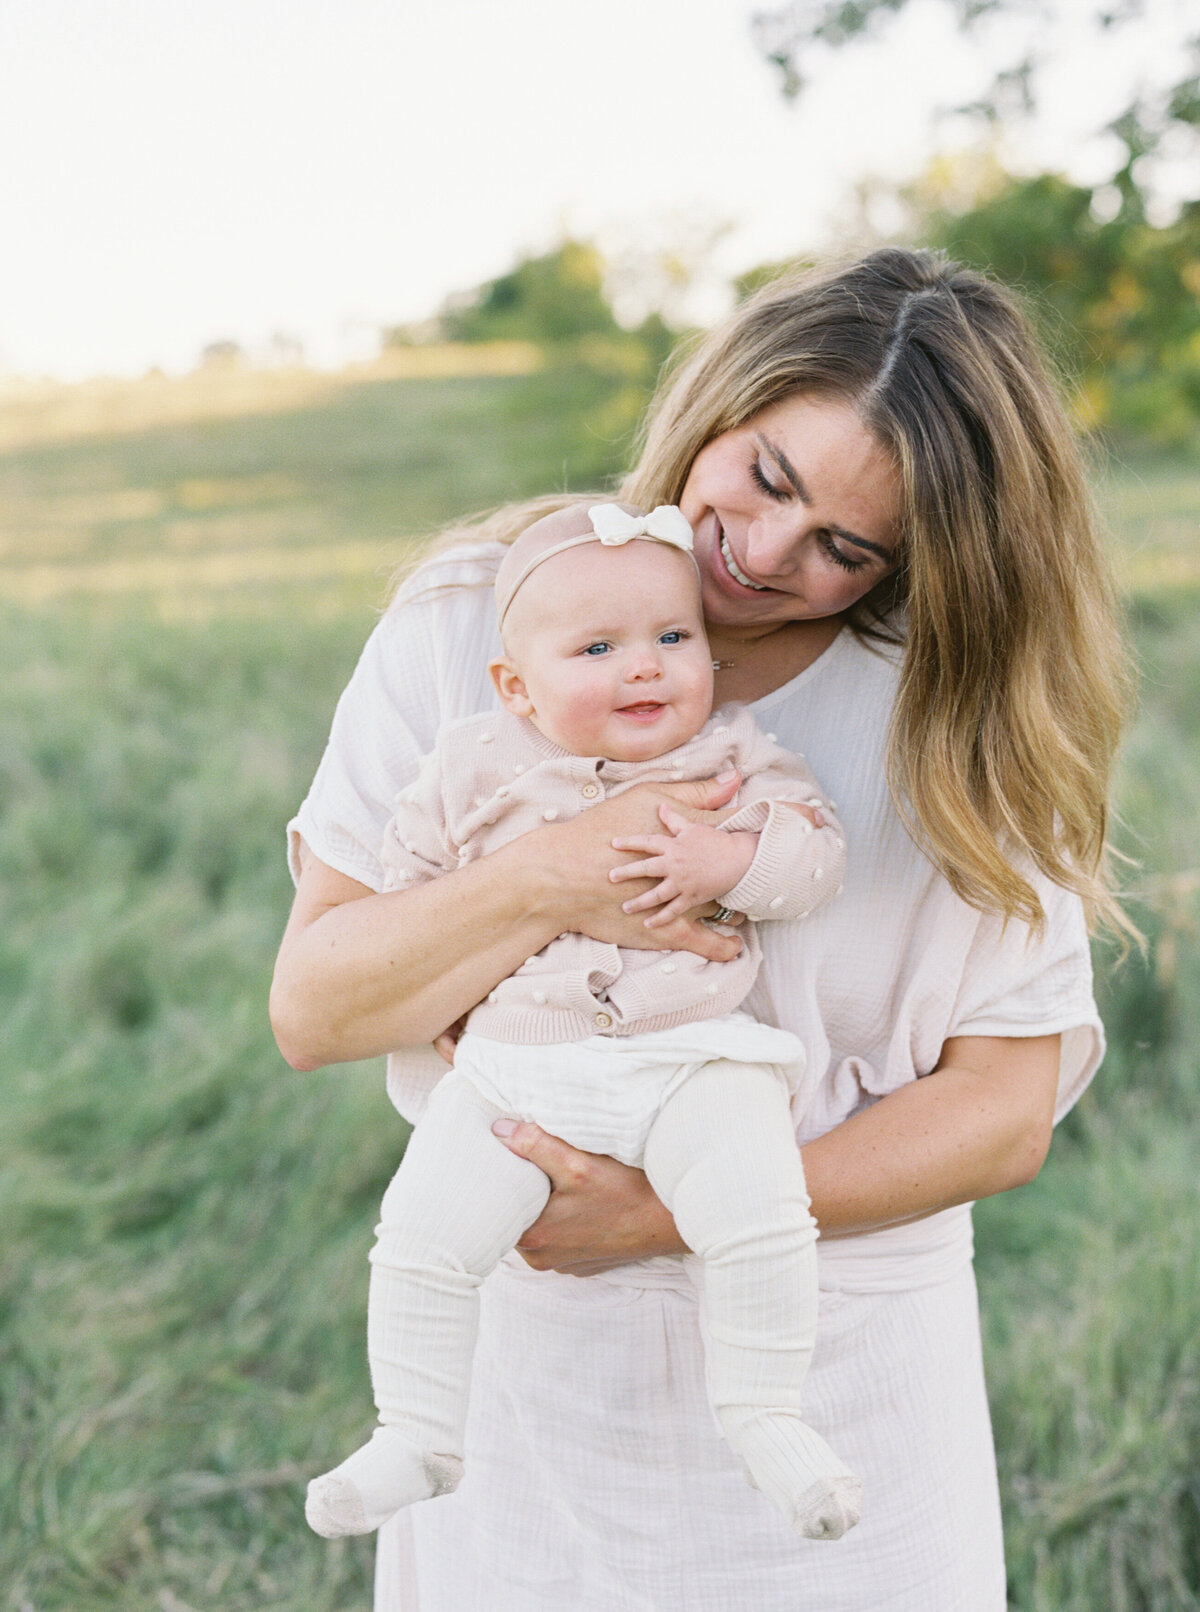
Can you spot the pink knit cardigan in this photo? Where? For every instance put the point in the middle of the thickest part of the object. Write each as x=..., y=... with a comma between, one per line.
x=493, y=778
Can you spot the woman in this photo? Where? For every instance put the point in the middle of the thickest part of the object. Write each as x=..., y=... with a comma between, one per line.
x=900, y=573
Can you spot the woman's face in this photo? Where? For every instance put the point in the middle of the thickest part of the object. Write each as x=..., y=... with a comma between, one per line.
x=796, y=514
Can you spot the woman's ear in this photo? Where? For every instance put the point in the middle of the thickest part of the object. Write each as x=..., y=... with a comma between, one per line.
x=510, y=686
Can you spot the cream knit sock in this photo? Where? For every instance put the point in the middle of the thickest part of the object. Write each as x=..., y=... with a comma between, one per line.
x=795, y=1469
x=386, y=1473
x=458, y=1201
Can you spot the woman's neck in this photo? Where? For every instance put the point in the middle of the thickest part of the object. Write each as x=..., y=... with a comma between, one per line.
x=754, y=662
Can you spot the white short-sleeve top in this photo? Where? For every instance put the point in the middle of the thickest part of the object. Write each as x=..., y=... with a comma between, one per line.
x=873, y=984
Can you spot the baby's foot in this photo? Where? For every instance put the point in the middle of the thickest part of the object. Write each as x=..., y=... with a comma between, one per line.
x=829, y=1508
x=375, y=1482
x=795, y=1469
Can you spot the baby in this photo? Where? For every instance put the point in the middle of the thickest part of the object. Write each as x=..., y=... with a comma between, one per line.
x=606, y=681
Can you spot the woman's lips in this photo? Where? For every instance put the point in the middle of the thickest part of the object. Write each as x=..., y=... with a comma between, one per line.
x=732, y=569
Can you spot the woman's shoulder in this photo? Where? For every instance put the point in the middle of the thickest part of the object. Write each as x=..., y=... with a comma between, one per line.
x=465, y=570
x=434, y=641
x=425, y=661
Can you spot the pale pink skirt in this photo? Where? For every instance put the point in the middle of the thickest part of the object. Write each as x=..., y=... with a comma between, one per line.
x=597, y=1479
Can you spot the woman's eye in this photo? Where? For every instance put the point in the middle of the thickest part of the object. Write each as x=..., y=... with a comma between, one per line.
x=763, y=485
x=837, y=556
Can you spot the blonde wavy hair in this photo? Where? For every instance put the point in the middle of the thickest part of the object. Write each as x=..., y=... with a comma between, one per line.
x=1015, y=677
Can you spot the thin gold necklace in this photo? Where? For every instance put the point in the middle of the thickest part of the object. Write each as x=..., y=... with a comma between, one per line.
x=728, y=665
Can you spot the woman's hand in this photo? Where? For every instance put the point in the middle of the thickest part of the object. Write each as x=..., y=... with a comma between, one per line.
x=979, y=1124
x=581, y=858
x=600, y=1213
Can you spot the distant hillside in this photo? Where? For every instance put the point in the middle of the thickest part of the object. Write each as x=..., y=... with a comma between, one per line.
x=221, y=487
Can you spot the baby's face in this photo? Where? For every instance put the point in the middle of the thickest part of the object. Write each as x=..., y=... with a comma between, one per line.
x=607, y=654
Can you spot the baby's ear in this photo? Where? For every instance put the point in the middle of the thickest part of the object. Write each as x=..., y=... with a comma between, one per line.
x=510, y=686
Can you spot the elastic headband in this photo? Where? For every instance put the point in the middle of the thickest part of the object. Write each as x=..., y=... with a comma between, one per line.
x=613, y=527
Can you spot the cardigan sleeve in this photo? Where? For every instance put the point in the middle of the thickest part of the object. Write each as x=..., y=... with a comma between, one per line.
x=417, y=843
x=797, y=868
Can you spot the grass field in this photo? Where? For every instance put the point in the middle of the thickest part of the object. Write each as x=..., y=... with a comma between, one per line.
x=184, y=584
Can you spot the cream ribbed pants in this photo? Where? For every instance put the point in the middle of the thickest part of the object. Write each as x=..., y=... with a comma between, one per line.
x=722, y=1156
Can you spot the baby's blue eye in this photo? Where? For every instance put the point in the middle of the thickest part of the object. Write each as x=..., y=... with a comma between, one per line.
x=596, y=649
x=675, y=636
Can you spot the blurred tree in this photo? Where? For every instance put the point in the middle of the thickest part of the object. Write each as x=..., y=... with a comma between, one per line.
x=562, y=299
x=224, y=354
x=284, y=350
x=552, y=298
x=559, y=300
x=1158, y=129
x=1120, y=297
x=1113, y=265
x=665, y=266
x=752, y=280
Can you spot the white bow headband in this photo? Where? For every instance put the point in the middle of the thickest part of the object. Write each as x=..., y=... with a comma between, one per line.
x=613, y=527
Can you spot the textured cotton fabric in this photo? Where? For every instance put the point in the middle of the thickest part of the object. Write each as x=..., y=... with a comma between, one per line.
x=597, y=1476
x=603, y=1094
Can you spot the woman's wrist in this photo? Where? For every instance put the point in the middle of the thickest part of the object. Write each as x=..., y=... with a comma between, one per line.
x=660, y=1233
x=543, y=878
x=600, y=1214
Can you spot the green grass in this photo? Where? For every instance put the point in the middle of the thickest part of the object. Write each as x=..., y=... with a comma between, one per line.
x=1091, y=1276
x=322, y=499
x=184, y=1216
x=182, y=1277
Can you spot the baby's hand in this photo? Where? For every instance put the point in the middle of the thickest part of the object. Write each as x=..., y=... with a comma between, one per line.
x=693, y=863
x=446, y=1043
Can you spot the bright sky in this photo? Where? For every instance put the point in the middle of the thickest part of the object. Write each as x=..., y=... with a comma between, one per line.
x=180, y=171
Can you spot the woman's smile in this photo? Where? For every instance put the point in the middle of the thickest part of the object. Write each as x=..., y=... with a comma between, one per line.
x=731, y=565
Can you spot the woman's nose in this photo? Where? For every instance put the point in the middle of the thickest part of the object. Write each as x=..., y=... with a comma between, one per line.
x=773, y=543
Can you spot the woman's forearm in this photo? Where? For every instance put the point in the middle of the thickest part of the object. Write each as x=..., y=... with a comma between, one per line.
x=979, y=1124
x=360, y=974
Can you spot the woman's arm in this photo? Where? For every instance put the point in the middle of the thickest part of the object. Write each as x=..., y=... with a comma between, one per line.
x=979, y=1124
x=359, y=974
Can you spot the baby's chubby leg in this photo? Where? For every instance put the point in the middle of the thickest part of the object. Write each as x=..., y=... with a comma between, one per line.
x=722, y=1156
x=459, y=1201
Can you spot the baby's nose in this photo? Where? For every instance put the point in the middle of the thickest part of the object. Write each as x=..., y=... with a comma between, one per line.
x=642, y=664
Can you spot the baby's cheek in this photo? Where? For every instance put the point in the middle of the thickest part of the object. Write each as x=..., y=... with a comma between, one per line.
x=584, y=714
